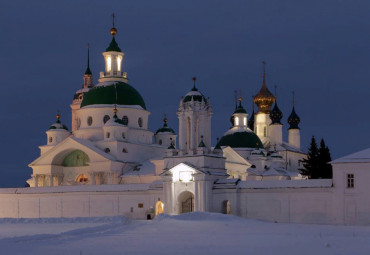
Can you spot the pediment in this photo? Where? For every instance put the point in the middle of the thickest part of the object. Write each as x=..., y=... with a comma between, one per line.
x=56, y=155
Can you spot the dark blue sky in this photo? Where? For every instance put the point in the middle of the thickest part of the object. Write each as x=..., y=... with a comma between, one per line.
x=320, y=49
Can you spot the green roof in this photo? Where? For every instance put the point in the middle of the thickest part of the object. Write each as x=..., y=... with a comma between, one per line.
x=113, y=46
x=241, y=140
x=119, y=93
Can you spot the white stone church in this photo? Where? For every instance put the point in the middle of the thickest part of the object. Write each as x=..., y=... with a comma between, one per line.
x=110, y=163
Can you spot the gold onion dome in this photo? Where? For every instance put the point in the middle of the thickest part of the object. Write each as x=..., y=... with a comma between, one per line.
x=264, y=99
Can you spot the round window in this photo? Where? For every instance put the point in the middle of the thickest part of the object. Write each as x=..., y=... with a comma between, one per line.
x=125, y=120
x=106, y=118
x=89, y=121
x=140, y=122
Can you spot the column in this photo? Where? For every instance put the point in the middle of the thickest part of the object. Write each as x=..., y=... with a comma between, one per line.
x=36, y=180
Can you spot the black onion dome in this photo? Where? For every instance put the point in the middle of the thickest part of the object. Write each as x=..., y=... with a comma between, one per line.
x=293, y=120
x=251, y=121
x=276, y=115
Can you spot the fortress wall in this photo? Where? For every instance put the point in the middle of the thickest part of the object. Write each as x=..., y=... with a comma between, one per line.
x=78, y=204
x=302, y=205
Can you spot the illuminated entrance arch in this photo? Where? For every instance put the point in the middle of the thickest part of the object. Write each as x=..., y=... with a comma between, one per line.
x=159, y=206
x=186, y=202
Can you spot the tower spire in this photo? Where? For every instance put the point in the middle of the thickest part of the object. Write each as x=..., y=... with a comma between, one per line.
x=88, y=71
x=194, y=87
x=113, y=30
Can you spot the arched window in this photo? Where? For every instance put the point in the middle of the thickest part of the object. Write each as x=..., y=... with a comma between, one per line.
x=106, y=118
x=140, y=122
x=82, y=178
x=76, y=158
x=89, y=121
x=106, y=150
x=125, y=120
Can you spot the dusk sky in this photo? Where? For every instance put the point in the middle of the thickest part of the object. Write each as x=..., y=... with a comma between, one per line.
x=319, y=49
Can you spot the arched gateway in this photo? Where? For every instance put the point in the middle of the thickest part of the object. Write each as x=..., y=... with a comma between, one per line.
x=186, y=202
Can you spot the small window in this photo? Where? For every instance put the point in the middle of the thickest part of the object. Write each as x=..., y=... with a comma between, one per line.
x=160, y=142
x=140, y=122
x=123, y=135
x=124, y=150
x=264, y=131
x=106, y=118
x=106, y=150
x=125, y=120
x=78, y=123
x=107, y=134
x=50, y=139
x=89, y=121
x=82, y=178
x=350, y=181
x=80, y=97
x=140, y=205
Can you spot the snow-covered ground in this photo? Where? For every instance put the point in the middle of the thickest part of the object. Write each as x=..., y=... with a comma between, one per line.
x=193, y=233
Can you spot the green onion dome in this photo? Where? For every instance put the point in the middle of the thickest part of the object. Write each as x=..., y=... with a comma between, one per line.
x=293, y=120
x=194, y=95
x=113, y=46
x=240, y=108
x=119, y=93
x=165, y=128
x=276, y=115
x=240, y=137
x=58, y=124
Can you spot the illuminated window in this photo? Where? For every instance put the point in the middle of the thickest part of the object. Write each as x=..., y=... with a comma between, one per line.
x=82, y=178
x=125, y=120
x=140, y=122
x=119, y=59
x=106, y=118
x=236, y=121
x=89, y=121
x=245, y=121
x=350, y=181
x=109, y=64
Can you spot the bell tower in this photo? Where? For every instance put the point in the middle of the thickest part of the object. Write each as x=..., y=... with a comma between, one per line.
x=194, y=115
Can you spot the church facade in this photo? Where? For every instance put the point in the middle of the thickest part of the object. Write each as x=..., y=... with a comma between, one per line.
x=110, y=163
